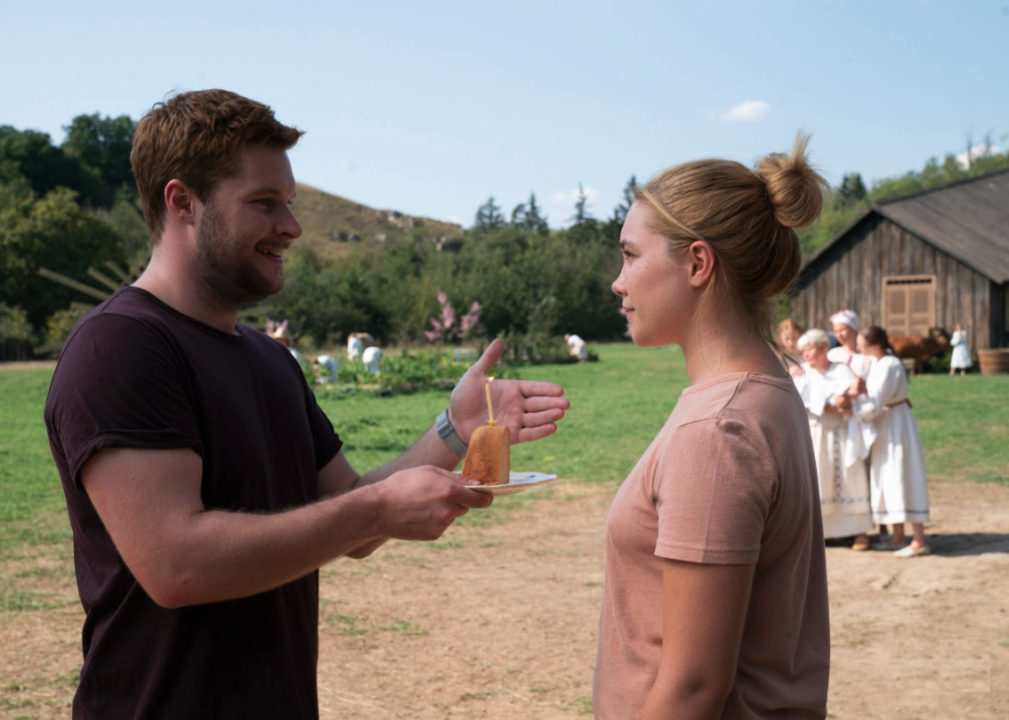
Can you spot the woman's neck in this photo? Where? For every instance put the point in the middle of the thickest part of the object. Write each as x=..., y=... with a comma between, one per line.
x=728, y=344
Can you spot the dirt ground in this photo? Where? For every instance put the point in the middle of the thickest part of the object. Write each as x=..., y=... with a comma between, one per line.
x=499, y=622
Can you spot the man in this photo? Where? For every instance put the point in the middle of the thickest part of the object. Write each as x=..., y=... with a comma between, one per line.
x=205, y=487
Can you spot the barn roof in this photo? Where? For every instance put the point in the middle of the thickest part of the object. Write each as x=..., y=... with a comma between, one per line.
x=968, y=219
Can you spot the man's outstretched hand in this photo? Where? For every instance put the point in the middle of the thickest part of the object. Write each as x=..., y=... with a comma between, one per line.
x=529, y=408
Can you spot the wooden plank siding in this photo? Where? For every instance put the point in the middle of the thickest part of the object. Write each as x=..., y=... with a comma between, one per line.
x=850, y=273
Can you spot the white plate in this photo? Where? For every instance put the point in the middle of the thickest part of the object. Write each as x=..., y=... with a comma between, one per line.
x=517, y=482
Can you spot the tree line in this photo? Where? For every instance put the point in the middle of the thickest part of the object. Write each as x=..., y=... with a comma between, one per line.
x=72, y=209
x=528, y=280
x=66, y=208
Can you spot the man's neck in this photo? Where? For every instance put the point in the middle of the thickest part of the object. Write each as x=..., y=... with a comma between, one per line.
x=178, y=293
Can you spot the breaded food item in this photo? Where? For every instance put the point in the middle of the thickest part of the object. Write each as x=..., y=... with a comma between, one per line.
x=489, y=457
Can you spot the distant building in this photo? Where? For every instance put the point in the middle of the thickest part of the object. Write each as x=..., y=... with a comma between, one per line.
x=923, y=261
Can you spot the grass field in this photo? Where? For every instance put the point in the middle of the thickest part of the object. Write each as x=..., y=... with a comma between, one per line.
x=617, y=406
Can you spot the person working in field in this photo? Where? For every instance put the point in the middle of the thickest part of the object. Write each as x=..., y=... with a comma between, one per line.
x=205, y=487
x=715, y=597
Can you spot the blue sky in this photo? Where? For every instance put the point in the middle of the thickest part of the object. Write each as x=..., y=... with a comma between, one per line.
x=430, y=108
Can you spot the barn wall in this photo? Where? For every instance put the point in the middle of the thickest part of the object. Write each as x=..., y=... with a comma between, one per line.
x=999, y=313
x=850, y=275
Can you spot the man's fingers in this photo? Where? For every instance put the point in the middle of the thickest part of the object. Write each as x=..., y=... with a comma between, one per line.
x=474, y=499
x=532, y=420
x=536, y=433
x=540, y=404
x=490, y=357
x=534, y=388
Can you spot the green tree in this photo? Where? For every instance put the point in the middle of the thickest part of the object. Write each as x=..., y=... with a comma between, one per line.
x=46, y=167
x=103, y=144
x=16, y=333
x=489, y=217
x=55, y=233
x=528, y=217
x=852, y=190
x=584, y=228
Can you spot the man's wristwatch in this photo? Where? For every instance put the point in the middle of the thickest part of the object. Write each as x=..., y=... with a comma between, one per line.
x=448, y=434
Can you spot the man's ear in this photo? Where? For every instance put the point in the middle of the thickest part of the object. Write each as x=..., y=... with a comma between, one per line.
x=702, y=263
x=181, y=201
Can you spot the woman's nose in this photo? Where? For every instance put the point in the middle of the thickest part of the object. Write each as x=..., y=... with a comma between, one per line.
x=619, y=285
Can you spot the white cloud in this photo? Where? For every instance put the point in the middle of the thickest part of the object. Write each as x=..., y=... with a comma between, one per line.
x=747, y=111
x=982, y=149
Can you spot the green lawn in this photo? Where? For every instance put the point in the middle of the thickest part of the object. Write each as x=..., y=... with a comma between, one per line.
x=617, y=406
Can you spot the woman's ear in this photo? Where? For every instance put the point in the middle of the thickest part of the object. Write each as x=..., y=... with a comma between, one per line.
x=180, y=200
x=702, y=263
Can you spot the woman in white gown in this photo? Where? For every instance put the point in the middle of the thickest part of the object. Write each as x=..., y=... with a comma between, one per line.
x=899, y=487
x=845, y=324
x=961, y=351
x=840, y=442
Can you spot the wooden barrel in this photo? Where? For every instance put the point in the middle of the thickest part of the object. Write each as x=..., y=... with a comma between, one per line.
x=993, y=361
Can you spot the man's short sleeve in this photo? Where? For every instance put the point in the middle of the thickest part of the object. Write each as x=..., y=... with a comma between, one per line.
x=120, y=382
x=714, y=487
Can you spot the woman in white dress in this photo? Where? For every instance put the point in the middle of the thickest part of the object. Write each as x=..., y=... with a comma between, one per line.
x=840, y=443
x=899, y=486
x=961, y=351
x=845, y=325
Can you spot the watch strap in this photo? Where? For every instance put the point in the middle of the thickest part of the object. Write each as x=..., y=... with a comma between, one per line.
x=448, y=434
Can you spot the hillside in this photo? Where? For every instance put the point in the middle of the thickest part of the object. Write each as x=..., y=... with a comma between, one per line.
x=333, y=225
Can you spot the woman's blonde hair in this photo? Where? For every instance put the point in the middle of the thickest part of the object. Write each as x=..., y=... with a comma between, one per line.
x=812, y=338
x=746, y=216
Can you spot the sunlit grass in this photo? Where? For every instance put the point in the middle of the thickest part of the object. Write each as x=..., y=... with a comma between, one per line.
x=617, y=406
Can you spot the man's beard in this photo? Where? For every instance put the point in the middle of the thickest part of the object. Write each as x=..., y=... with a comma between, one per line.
x=221, y=280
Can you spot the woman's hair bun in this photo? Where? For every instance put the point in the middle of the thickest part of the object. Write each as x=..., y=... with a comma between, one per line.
x=795, y=189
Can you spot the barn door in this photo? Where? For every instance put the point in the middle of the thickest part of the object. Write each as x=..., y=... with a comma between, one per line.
x=909, y=304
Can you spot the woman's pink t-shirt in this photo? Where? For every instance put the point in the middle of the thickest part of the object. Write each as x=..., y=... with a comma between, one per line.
x=730, y=479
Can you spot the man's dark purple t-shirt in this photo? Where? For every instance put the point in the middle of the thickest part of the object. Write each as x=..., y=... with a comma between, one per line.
x=137, y=374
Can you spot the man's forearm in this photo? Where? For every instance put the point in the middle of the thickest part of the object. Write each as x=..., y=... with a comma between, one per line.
x=428, y=450
x=221, y=555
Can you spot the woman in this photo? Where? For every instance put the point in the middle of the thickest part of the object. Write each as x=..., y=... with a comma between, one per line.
x=839, y=441
x=789, y=333
x=715, y=603
x=844, y=325
x=960, y=360
x=897, y=465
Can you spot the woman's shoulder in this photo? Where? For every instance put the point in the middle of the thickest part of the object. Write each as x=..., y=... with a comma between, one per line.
x=842, y=371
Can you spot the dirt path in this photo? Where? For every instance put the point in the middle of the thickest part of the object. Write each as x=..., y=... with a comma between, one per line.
x=499, y=622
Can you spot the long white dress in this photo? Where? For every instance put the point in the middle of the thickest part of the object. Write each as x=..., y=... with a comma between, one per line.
x=961, y=351
x=899, y=487
x=840, y=446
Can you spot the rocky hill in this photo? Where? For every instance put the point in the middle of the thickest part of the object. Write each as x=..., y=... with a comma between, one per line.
x=333, y=225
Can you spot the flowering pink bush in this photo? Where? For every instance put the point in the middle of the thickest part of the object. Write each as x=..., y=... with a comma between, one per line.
x=447, y=330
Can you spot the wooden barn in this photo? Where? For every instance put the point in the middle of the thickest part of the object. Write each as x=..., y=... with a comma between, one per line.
x=923, y=261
